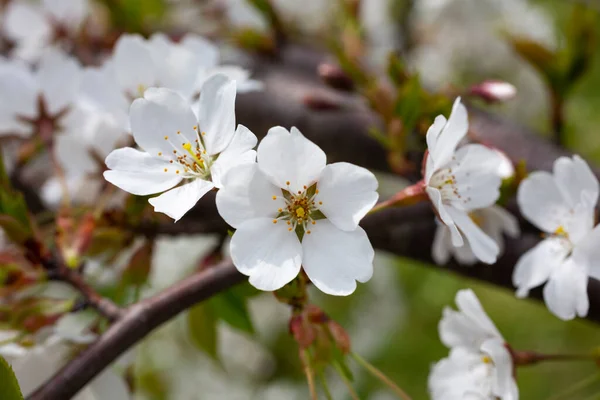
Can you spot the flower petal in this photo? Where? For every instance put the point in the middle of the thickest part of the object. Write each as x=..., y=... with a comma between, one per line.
x=247, y=194
x=483, y=246
x=216, y=113
x=588, y=252
x=58, y=77
x=347, y=192
x=573, y=177
x=134, y=65
x=334, y=259
x=498, y=219
x=442, y=245
x=207, y=52
x=239, y=151
x=139, y=173
x=436, y=199
x=101, y=93
x=541, y=202
x=18, y=84
x=445, y=142
x=503, y=384
x=266, y=252
x=176, y=202
x=69, y=13
x=536, y=265
x=290, y=157
x=162, y=113
x=25, y=22
x=476, y=176
x=432, y=135
x=565, y=293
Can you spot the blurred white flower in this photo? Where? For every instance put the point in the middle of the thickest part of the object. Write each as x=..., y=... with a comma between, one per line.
x=179, y=146
x=290, y=209
x=494, y=221
x=493, y=91
x=461, y=181
x=34, y=27
x=42, y=100
x=479, y=366
x=562, y=205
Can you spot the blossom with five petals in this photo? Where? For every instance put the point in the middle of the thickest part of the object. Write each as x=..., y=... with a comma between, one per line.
x=562, y=205
x=290, y=210
x=479, y=366
x=178, y=146
x=459, y=181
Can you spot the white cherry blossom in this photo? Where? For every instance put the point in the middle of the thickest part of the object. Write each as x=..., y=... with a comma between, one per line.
x=34, y=27
x=562, y=205
x=479, y=365
x=461, y=180
x=291, y=211
x=180, y=147
x=494, y=221
x=44, y=99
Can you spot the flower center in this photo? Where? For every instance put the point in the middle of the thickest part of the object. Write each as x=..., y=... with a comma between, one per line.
x=190, y=159
x=445, y=181
x=301, y=209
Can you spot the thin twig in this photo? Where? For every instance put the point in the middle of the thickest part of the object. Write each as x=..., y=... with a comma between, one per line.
x=381, y=376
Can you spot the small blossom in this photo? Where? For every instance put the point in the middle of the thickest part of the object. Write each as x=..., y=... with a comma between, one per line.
x=34, y=27
x=291, y=210
x=461, y=181
x=43, y=100
x=480, y=365
x=562, y=205
x=178, y=146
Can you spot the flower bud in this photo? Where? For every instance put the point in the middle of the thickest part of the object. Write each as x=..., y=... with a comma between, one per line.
x=493, y=91
x=335, y=77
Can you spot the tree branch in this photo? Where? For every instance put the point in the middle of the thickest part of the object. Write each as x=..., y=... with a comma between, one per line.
x=137, y=321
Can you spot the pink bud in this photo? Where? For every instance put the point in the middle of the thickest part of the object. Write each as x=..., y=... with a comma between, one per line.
x=493, y=91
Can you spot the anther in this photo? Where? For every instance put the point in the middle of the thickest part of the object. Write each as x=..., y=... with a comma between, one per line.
x=177, y=171
x=320, y=203
x=287, y=183
x=165, y=169
x=274, y=197
x=166, y=138
x=160, y=153
x=274, y=221
x=314, y=222
x=290, y=229
x=179, y=132
x=308, y=232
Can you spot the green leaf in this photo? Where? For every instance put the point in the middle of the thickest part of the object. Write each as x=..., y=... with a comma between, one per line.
x=540, y=57
x=408, y=104
x=230, y=306
x=135, y=15
x=9, y=386
x=202, y=325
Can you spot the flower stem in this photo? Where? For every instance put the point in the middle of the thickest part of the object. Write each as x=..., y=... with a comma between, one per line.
x=346, y=382
x=325, y=386
x=525, y=358
x=381, y=376
x=567, y=394
x=310, y=378
x=408, y=196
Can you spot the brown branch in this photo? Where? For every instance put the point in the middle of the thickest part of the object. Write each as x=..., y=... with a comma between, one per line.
x=137, y=321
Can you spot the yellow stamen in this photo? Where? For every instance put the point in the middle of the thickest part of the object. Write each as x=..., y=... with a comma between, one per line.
x=560, y=231
x=274, y=221
x=300, y=212
x=274, y=197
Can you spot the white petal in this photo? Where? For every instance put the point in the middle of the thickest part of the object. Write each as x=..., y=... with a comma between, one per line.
x=134, y=65
x=266, y=252
x=334, y=259
x=476, y=175
x=58, y=77
x=347, y=192
x=73, y=154
x=101, y=92
x=432, y=135
x=290, y=157
x=501, y=220
x=23, y=21
x=565, y=293
x=17, y=84
x=239, y=151
x=436, y=199
x=445, y=142
x=140, y=173
x=504, y=385
x=216, y=113
x=247, y=194
x=205, y=50
x=535, y=266
x=70, y=13
x=588, y=252
x=176, y=66
x=162, y=113
x=573, y=177
x=176, y=202
x=483, y=246
x=541, y=202
x=470, y=326
x=442, y=245
x=74, y=327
